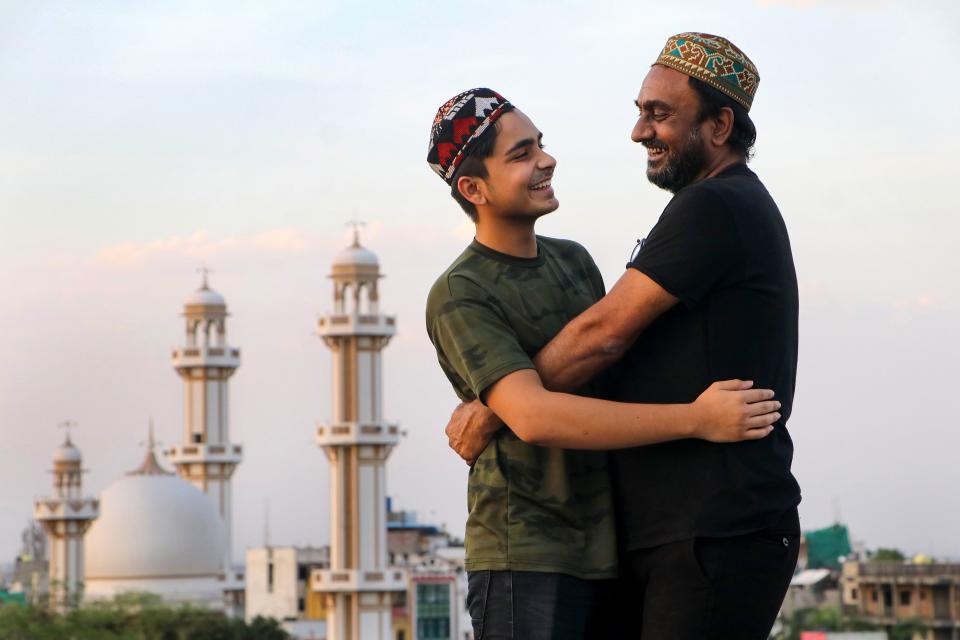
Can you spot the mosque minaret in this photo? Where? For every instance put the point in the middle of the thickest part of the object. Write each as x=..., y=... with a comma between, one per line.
x=206, y=457
x=65, y=517
x=359, y=585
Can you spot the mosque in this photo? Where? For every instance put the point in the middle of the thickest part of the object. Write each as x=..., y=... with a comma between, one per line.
x=131, y=538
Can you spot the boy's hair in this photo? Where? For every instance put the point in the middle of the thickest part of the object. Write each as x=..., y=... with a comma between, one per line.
x=474, y=165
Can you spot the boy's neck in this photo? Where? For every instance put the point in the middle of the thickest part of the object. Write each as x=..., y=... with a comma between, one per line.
x=510, y=236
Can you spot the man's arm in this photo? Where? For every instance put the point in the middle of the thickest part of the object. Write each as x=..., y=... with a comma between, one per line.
x=726, y=412
x=587, y=345
x=598, y=337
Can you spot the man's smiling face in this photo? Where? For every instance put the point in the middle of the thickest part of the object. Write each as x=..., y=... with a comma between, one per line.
x=668, y=126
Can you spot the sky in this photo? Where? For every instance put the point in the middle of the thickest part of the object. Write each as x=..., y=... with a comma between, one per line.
x=139, y=141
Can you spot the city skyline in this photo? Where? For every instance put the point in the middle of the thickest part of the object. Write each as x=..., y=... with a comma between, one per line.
x=141, y=143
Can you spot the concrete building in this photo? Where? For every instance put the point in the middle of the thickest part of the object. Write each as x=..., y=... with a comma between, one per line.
x=66, y=516
x=360, y=587
x=434, y=607
x=887, y=593
x=278, y=586
x=29, y=573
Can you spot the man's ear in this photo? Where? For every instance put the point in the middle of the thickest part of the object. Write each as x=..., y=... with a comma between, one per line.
x=472, y=188
x=722, y=127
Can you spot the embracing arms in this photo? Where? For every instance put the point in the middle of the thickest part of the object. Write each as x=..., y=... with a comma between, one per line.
x=590, y=343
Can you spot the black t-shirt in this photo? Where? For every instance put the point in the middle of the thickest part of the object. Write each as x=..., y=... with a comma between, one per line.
x=721, y=247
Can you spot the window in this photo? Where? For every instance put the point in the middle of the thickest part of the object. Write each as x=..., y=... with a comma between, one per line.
x=873, y=595
x=270, y=577
x=853, y=594
x=904, y=598
x=300, y=605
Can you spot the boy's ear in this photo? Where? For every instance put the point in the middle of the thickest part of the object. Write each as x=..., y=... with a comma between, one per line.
x=472, y=188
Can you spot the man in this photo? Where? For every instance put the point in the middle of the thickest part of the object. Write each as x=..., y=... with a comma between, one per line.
x=540, y=532
x=709, y=533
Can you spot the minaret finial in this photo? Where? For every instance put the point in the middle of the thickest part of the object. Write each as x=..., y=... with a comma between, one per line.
x=150, y=466
x=206, y=271
x=66, y=425
x=356, y=224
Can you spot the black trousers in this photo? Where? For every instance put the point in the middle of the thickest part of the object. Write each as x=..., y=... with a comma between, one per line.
x=710, y=588
x=531, y=605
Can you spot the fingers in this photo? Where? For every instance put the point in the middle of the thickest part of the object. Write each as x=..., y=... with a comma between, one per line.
x=762, y=421
x=757, y=434
x=756, y=395
x=760, y=408
x=733, y=385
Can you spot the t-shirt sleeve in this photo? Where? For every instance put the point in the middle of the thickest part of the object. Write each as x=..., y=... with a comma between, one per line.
x=692, y=247
x=593, y=273
x=472, y=336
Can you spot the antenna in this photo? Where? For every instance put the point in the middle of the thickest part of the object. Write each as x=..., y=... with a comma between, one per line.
x=266, y=522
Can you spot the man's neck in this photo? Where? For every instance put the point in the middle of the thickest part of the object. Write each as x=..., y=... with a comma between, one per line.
x=720, y=164
x=510, y=236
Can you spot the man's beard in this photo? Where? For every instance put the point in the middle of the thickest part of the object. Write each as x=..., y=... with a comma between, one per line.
x=681, y=168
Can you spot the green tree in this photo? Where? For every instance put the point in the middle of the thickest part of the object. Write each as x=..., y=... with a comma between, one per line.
x=132, y=617
x=888, y=555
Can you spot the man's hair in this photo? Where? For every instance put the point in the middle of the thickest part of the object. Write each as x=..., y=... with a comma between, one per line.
x=473, y=164
x=744, y=133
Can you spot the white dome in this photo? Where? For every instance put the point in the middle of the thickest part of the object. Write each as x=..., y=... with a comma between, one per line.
x=154, y=526
x=206, y=297
x=356, y=255
x=67, y=453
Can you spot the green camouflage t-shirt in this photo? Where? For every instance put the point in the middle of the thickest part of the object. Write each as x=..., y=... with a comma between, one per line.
x=530, y=508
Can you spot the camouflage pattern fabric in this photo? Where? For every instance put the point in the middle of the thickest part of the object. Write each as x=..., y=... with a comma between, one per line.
x=530, y=508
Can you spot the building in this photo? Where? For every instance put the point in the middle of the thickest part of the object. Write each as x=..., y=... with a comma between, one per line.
x=888, y=593
x=206, y=457
x=434, y=607
x=158, y=534
x=29, y=574
x=361, y=589
x=843, y=635
x=812, y=589
x=169, y=533
x=277, y=586
x=66, y=516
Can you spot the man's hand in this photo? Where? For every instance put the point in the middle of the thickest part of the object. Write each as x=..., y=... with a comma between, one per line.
x=731, y=411
x=470, y=430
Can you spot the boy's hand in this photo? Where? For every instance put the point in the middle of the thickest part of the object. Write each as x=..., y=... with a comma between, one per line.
x=470, y=430
x=731, y=411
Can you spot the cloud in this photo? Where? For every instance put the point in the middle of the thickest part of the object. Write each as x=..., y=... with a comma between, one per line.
x=917, y=302
x=200, y=246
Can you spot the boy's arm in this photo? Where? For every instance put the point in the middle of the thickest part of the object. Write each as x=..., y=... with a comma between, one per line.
x=587, y=345
x=726, y=412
